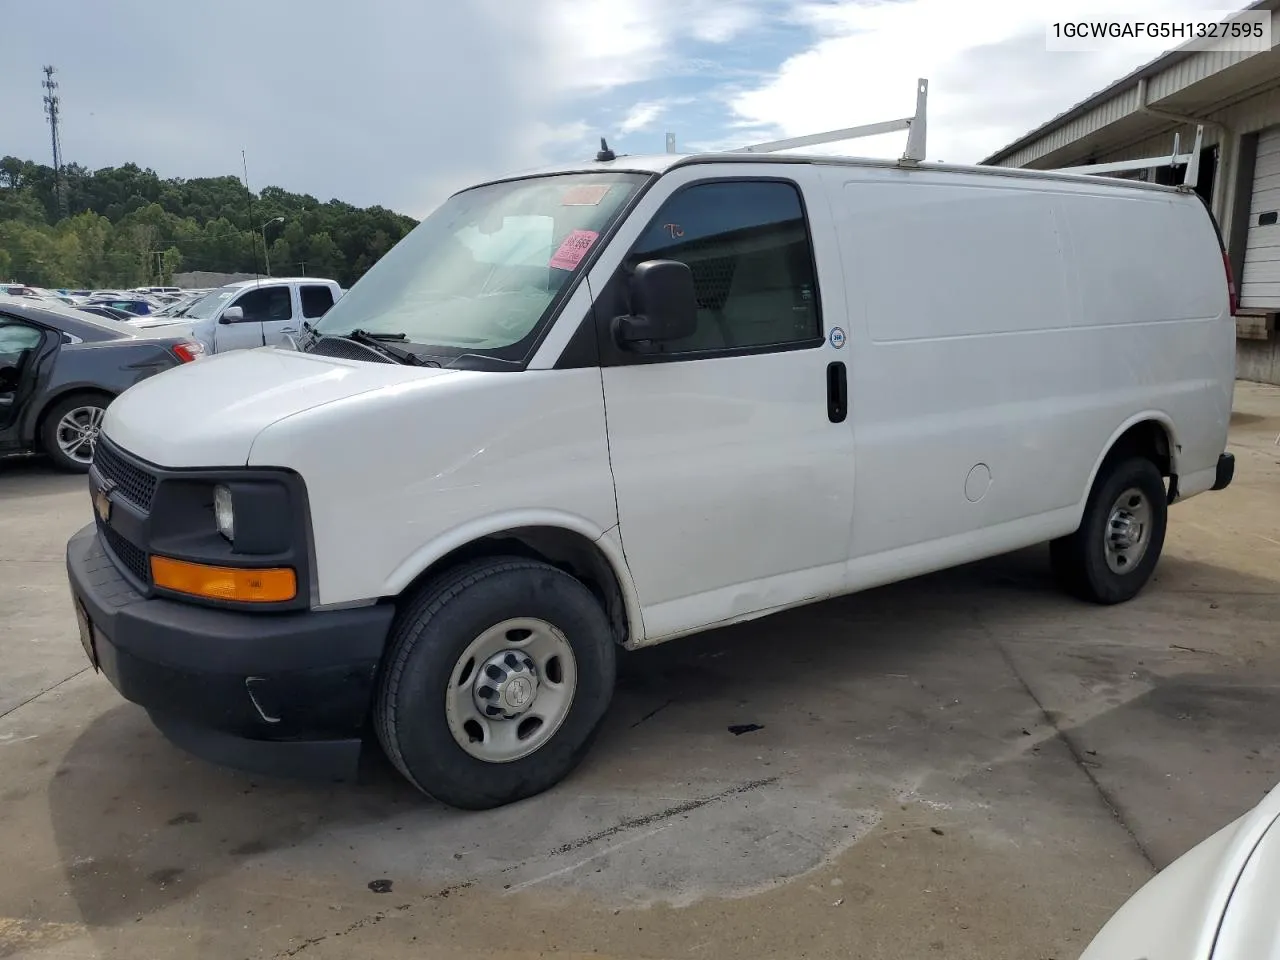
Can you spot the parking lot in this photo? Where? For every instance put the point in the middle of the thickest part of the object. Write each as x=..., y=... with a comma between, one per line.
x=965, y=765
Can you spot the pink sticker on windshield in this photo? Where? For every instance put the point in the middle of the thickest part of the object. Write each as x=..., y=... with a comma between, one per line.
x=574, y=248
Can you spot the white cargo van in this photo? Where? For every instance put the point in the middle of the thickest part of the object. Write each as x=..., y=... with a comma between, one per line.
x=612, y=404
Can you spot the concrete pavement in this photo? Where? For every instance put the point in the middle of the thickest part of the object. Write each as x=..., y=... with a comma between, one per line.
x=965, y=765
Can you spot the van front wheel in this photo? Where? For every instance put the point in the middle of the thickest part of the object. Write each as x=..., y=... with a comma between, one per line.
x=496, y=681
x=1114, y=552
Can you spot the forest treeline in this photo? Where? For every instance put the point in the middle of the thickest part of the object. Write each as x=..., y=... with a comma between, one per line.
x=125, y=226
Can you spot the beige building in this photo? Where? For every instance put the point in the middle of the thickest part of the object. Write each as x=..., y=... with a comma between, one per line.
x=1236, y=96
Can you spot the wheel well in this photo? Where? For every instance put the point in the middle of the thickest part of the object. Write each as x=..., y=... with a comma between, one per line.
x=1148, y=439
x=569, y=551
x=37, y=440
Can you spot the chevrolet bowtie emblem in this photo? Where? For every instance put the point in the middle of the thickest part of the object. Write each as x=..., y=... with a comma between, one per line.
x=102, y=501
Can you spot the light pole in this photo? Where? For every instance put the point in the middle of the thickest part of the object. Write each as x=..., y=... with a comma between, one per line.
x=265, y=253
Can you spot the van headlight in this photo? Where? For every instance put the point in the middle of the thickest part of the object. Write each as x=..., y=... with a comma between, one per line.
x=224, y=512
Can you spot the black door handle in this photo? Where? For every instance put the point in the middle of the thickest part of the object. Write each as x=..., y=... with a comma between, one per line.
x=837, y=392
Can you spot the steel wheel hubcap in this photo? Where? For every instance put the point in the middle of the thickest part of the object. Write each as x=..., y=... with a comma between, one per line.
x=77, y=432
x=1128, y=531
x=511, y=690
x=506, y=686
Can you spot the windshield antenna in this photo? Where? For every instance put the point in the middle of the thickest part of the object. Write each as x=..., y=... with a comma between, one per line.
x=605, y=153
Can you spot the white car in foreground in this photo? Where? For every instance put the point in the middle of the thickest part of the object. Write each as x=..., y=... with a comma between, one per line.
x=1218, y=901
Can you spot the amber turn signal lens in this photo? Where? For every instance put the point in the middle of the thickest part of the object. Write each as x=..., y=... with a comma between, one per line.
x=262, y=585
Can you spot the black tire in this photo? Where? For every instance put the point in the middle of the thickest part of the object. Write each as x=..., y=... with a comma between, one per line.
x=1080, y=560
x=53, y=416
x=432, y=632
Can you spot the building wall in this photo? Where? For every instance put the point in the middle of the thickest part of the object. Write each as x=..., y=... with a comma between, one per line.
x=1258, y=360
x=1178, y=76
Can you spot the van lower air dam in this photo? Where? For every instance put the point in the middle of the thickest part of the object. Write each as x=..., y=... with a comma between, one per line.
x=1156, y=29
x=620, y=401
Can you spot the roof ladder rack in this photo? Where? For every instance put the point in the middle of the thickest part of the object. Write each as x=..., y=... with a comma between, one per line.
x=1192, y=161
x=916, y=126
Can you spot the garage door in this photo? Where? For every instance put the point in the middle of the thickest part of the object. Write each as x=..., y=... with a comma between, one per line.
x=1260, y=282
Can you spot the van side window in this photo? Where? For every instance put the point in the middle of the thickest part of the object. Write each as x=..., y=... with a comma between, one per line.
x=266, y=303
x=748, y=246
x=316, y=300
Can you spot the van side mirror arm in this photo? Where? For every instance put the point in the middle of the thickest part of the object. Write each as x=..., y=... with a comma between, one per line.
x=636, y=334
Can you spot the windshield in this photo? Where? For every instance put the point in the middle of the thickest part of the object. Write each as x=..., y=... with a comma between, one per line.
x=484, y=271
x=178, y=307
x=211, y=303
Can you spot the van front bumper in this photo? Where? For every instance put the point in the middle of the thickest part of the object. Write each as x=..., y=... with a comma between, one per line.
x=275, y=693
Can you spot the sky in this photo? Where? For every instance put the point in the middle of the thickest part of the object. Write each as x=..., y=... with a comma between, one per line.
x=401, y=102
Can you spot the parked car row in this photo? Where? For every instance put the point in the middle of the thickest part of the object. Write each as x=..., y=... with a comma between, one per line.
x=53, y=395
x=141, y=301
x=251, y=313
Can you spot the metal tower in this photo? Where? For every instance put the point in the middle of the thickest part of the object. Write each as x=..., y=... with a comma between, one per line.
x=51, y=111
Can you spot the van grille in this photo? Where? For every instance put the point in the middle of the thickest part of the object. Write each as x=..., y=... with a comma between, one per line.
x=133, y=483
x=131, y=557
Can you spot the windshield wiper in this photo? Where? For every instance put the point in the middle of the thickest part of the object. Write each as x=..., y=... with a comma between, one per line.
x=378, y=342
x=378, y=335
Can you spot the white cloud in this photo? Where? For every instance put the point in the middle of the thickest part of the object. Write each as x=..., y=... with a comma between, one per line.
x=641, y=116
x=991, y=78
x=720, y=24
x=604, y=44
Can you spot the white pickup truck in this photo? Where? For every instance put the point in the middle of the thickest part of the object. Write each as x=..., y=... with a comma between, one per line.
x=253, y=313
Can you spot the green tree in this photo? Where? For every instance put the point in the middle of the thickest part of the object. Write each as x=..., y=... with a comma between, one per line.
x=126, y=222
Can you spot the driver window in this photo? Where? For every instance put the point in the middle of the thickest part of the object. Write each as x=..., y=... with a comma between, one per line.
x=265, y=304
x=747, y=244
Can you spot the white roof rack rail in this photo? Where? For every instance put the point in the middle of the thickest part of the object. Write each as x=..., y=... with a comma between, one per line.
x=916, y=126
x=1192, y=161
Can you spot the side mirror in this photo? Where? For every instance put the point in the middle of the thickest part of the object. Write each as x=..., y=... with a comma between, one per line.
x=664, y=306
x=232, y=315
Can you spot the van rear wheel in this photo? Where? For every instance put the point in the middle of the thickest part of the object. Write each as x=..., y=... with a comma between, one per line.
x=497, y=678
x=1115, y=550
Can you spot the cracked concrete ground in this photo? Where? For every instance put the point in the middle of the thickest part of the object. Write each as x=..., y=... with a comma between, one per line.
x=968, y=765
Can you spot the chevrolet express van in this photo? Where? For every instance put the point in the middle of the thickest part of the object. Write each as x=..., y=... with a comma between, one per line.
x=612, y=404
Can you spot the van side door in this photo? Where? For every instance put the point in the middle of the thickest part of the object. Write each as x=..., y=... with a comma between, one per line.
x=732, y=460
x=971, y=365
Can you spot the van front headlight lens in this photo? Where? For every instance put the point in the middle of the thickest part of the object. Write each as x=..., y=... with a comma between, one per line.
x=224, y=513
